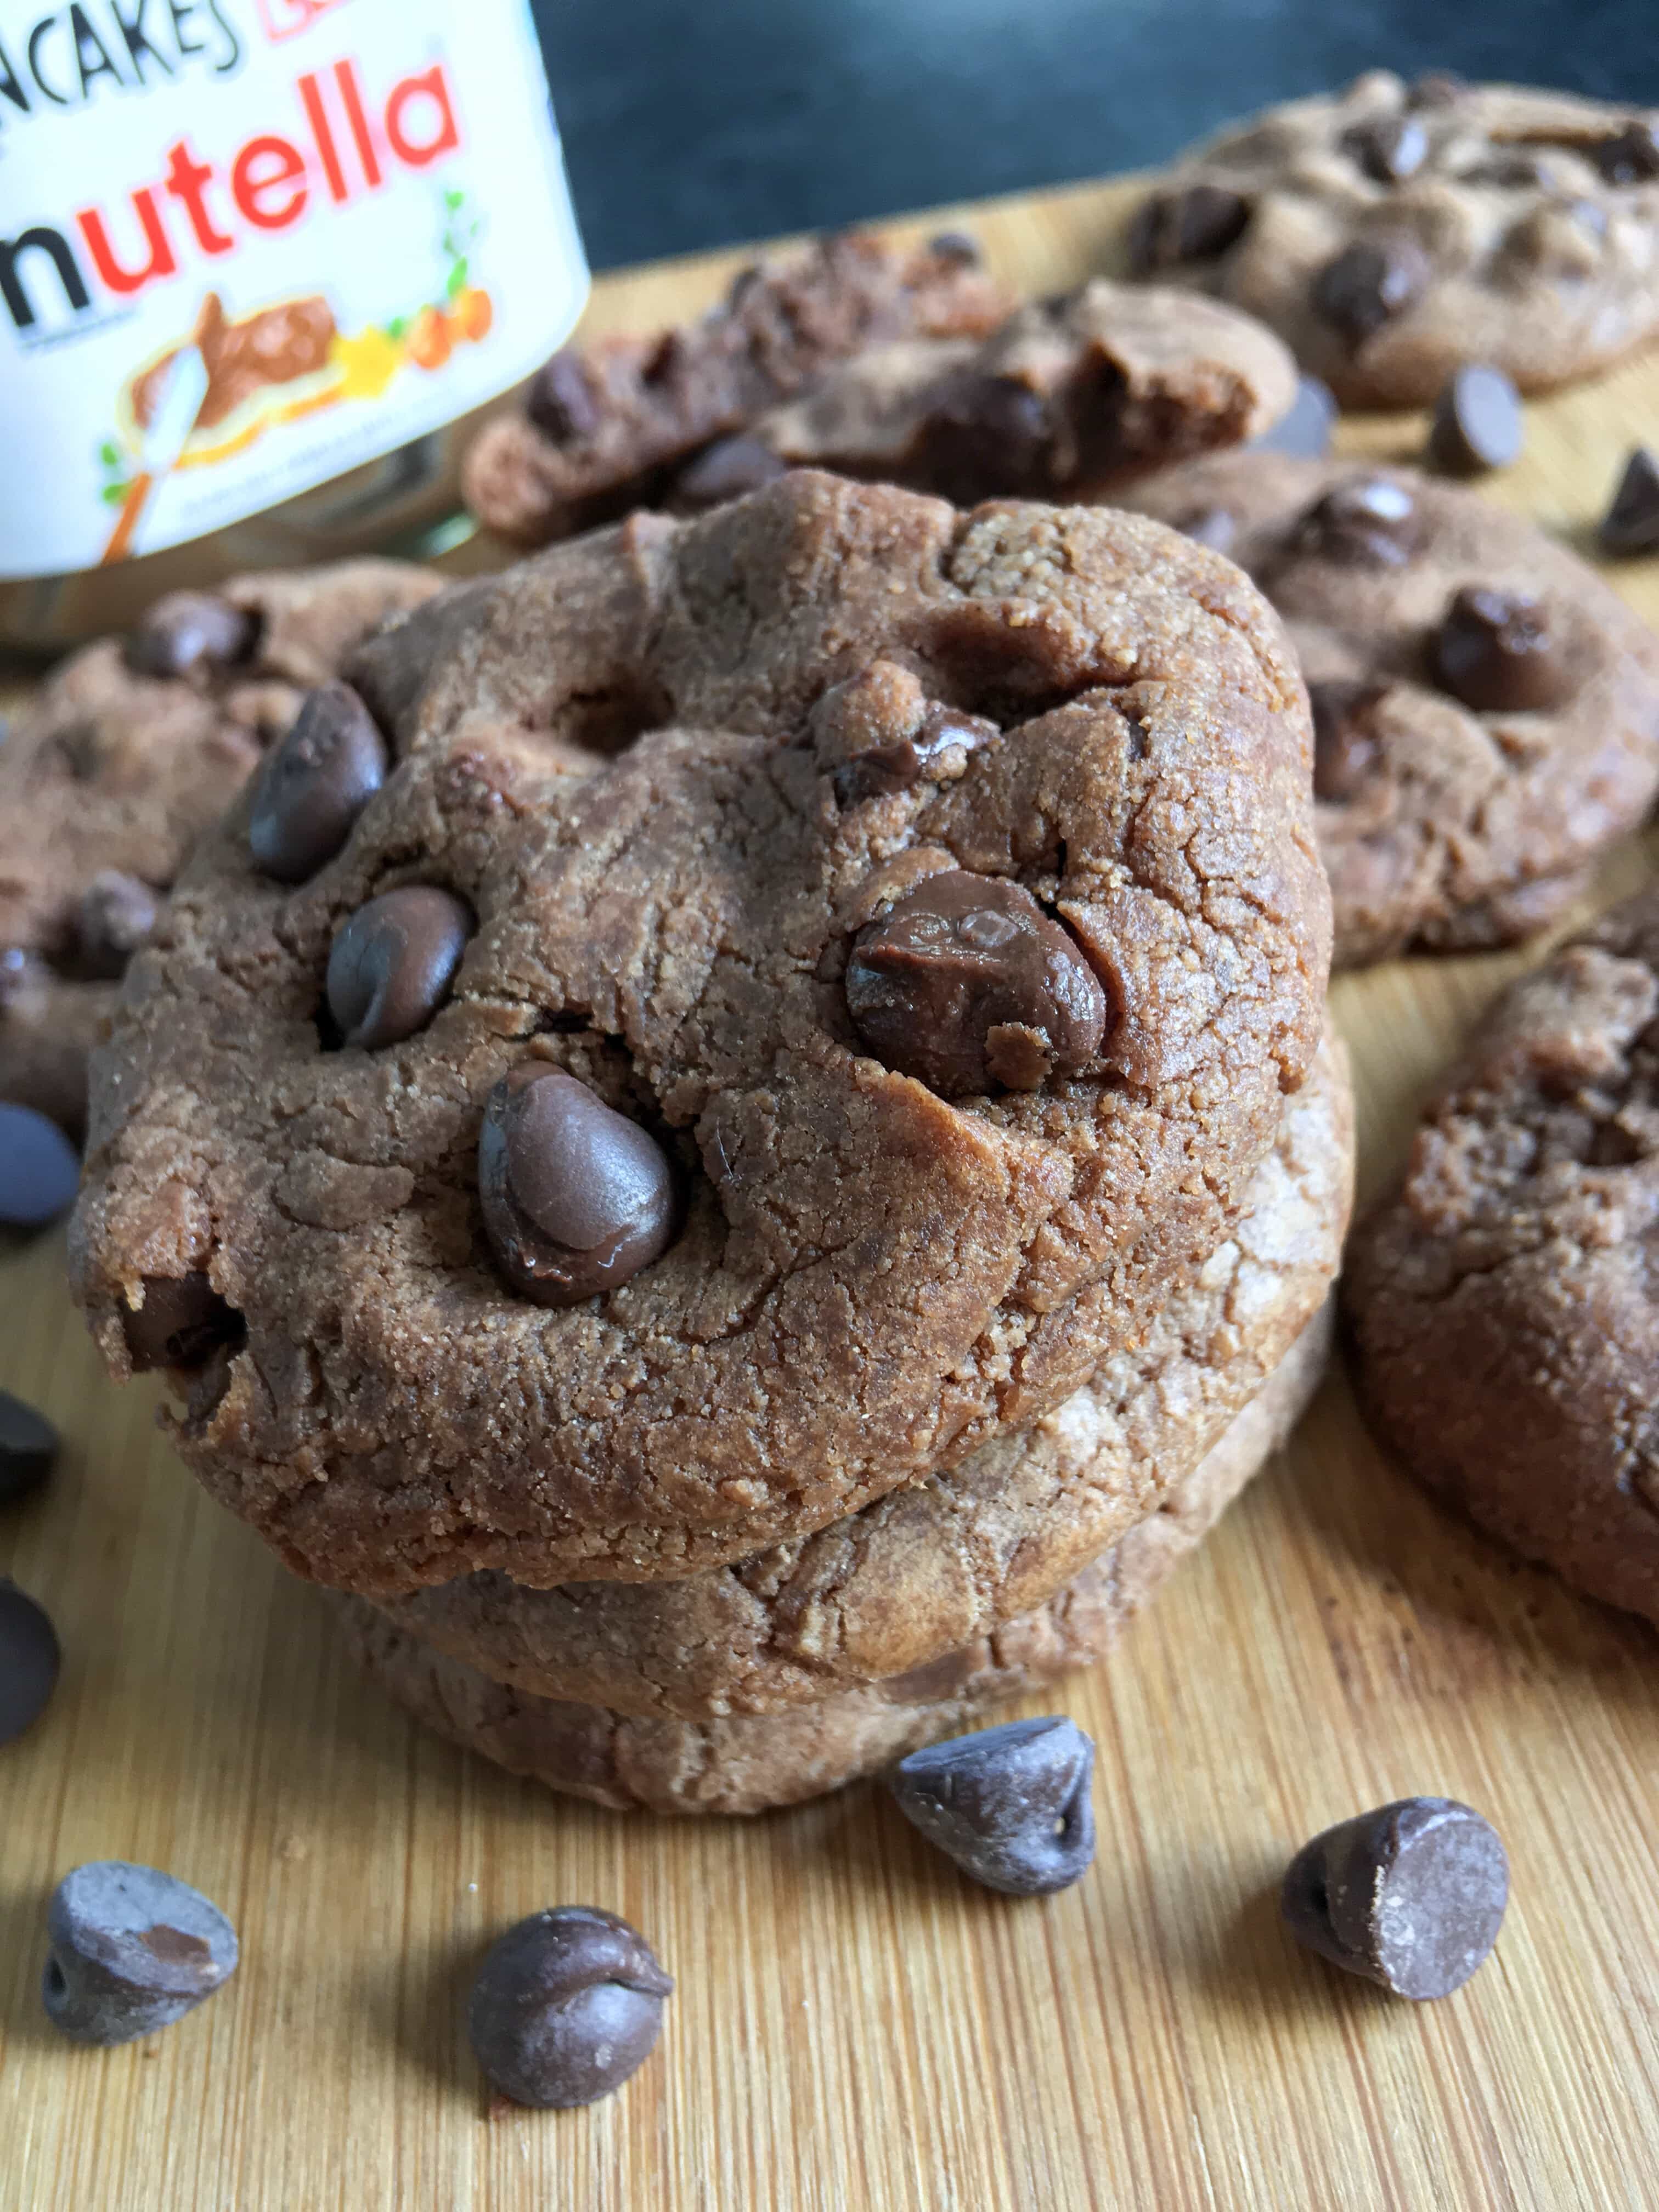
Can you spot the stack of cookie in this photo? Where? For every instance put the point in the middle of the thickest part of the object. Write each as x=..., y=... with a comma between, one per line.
x=737, y=1148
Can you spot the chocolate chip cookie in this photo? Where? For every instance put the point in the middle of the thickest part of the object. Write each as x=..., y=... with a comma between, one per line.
x=859, y=955
x=607, y=427
x=664, y=1764
x=1504, y=1320
x=938, y=1563
x=1072, y=397
x=127, y=752
x=1392, y=232
x=1486, y=709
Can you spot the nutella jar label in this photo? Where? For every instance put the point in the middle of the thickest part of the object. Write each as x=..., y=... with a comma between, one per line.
x=247, y=246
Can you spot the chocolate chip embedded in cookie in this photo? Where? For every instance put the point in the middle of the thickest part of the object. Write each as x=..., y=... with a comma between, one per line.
x=1485, y=710
x=1390, y=238
x=623, y=757
x=1505, y=1321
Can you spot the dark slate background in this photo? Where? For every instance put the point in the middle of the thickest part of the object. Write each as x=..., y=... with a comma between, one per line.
x=702, y=123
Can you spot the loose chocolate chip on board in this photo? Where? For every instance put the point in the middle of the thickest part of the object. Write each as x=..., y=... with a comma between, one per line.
x=576, y=1198
x=29, y=1659
x=726, y=470
x=1344, y=751
x=182, y=1322
x=1631, y=157
x=1478, y=422
x=561, y=400
x=117, y=913
x=1370, y=520
x=38, y=1169
x=132, y=1951
x=1011, y=1805
x=1631, y=524
x=567, y=2006
x=28, y=1448
x=188, y=631
x=1304, y=430
x=1411, y=1896
x=392, y=964
x=966, y=984
x=1388, y=148
x=1193, y=224
x=1499, y=653
x=958, y=245
x=315, y=784
x=1368, y=284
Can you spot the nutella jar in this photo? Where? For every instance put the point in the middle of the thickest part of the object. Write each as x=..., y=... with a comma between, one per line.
x=263, y=265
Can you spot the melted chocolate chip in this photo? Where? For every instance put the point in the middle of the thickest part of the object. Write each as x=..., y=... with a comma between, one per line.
x=965, y=983
x=566, y=2006
x=1214, y=527
x=1630, y=157
x=1193, y=224
x=315, y=784
x=1387, y=148
x=182, y=1322
x=1631, y=524
x=1368, y=284
x=561, y=400
x=726, y=470
x=985, y=436
x=1498, y=652
x=1304, y=429
x=392, y=964
x=576, y=1199
x=1010, y=1804
x=190, y=630
x=1371, y=521
x=911, y=759
x=1344, y=751
x=1478, y=424
x=117, y=913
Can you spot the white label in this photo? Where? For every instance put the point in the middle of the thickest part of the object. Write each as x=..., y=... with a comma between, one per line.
x=247, y=245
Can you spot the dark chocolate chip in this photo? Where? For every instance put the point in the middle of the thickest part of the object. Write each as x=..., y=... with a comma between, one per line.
x=28, y=1448
x=965, y=983
x=1368, y=284
x=182, y=1322
x=1344, y=751
x=561, y=400
x=1510, y=172
x=1630, y=157
x=392, y=964
x=567, y=2006
x=1478, y=422
x=960, y=246
x=1304, y=429
x=1436, y=88
x=726, y=470
x=1011, y=1805
x=1411, y=1895
x=1214, y=527
x=190, y=630
x=911, y=759
x=117, y=913
x=985, y=436
x=576, y=1198
x=1499, y=651
x=132, y=1950
x=29, y=1659
x=1194, y=223
x=1371, y=521
x=40, y=1168
x=1631, y=524
x=1387, y=148
x=315, y=784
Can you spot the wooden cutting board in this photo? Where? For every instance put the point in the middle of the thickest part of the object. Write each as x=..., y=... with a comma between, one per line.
x=854, y=2026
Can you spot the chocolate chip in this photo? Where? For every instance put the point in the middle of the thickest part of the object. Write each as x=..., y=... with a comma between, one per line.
x=1631, y=524
x=965, y=983
x=315, y=784
x=40, y=1168
x=28, y=1448
x=1630, y=157
x=1193, y=224
x=567, y=2006
x=1304, y=429
x=117, y=913
x=132, y=1950
x=1387, y=148
x=1214, y=527
x=392, y=963
x=1011, y=1805
x=1411, y=1895
x=182, y=1322
x=1368, y=284
x=1436, y=88
x=576, y=1199
x=190, y=630
x=1371, y=521
x=908, y=760
x=1497, y=651
x=561, y=400
x=29, y=1659
x=1478, y=424
x=985, y=436
x=726, y=470
x=960, y=246
x=1344, y=751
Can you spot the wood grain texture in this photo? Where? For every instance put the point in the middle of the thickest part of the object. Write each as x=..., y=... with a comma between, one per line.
x=854, y=2026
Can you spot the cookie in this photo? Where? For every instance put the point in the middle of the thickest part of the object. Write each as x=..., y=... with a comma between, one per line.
x=928, y=900
x=1391, y=232
x=941, y=1562
x=127, y=751
x=1486, y=709
x=749, y=1764
x=1072, y=397
x=605, y=428
x=1505, y=1327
